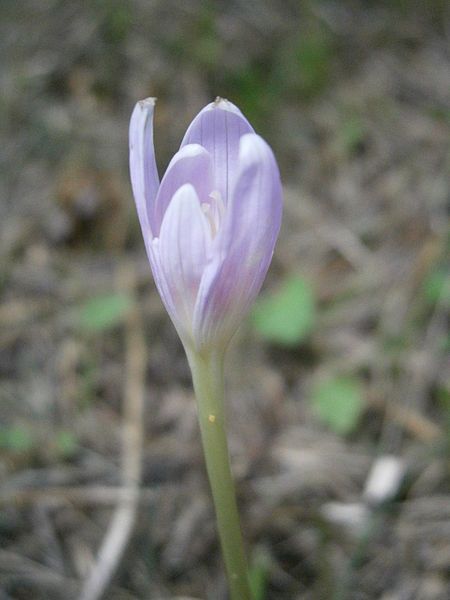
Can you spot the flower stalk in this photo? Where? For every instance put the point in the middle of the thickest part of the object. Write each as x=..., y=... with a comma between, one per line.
x=207, y=376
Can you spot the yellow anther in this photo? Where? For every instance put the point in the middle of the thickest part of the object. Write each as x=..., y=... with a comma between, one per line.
x=212, y=418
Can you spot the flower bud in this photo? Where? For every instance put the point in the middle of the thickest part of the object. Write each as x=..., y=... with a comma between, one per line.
x=211, y=225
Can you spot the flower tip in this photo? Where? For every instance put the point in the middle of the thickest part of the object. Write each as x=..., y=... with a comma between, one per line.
x=220, y=102
x=147, y=102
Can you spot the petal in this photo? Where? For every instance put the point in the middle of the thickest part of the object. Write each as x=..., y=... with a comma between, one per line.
x=243, y=248
x=192, y=164
x=219, y=128
x=184, y=248
x=143, y=170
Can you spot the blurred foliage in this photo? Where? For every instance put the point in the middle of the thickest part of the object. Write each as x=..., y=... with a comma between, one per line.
x=338, y=402
x=205, y=46
x=287, y=316
x=258, y=575
x=253, y=90
x=436, y=287
x=103, y=312
x=207, y=49
x=303, y=64
x=117, y=20
x=19, y=439
x=66, y=443
x=16, y=439
x=297, y=68
x=351, y=134
x=443, y=398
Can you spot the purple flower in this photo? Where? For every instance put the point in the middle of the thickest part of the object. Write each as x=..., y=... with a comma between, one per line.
x=211, y=225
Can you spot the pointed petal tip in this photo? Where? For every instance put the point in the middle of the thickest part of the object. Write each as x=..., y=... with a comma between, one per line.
x=218, y=128
x=146, y=102
x=220, y=102
x=142, y=110
x=223, y=104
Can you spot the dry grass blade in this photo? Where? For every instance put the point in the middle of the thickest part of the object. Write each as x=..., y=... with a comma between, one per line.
x=122, y=523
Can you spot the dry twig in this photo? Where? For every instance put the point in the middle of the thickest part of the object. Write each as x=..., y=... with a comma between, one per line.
x=121, y=526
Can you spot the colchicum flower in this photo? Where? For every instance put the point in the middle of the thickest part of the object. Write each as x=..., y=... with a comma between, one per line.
x=211, y=225
x=209, y=228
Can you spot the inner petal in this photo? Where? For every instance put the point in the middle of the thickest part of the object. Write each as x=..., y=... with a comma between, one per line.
x=192, y=164
x=184, y=249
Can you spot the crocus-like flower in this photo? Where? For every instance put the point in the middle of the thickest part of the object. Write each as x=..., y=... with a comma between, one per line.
x=211, y=225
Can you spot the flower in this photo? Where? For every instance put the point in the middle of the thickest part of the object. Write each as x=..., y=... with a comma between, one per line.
x=211, y=225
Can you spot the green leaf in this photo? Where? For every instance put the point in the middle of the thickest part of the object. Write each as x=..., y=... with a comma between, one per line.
x=104, y=312
x=437, y=286
x=338, y=402
x=258, y=582
x=258, y=574
x=287, y=316
x=16, y=439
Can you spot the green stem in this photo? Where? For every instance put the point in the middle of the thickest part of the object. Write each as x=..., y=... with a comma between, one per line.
x=207, y=376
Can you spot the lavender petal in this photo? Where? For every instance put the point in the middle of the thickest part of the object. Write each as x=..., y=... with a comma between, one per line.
x=184, y=249
x=243, y=248
x=192, y=164
x=143, y=170
x=218, y=128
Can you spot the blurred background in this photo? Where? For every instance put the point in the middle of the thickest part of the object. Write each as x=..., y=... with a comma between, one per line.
x=338, y=392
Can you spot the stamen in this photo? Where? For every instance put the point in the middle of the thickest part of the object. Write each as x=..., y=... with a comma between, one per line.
x=216, y=196
x=214, y=211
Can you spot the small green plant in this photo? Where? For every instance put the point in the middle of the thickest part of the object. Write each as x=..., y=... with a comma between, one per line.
x=103, y=312
x=16, y=439
x=338, y=402
x=287, y=316
x=436, y=287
